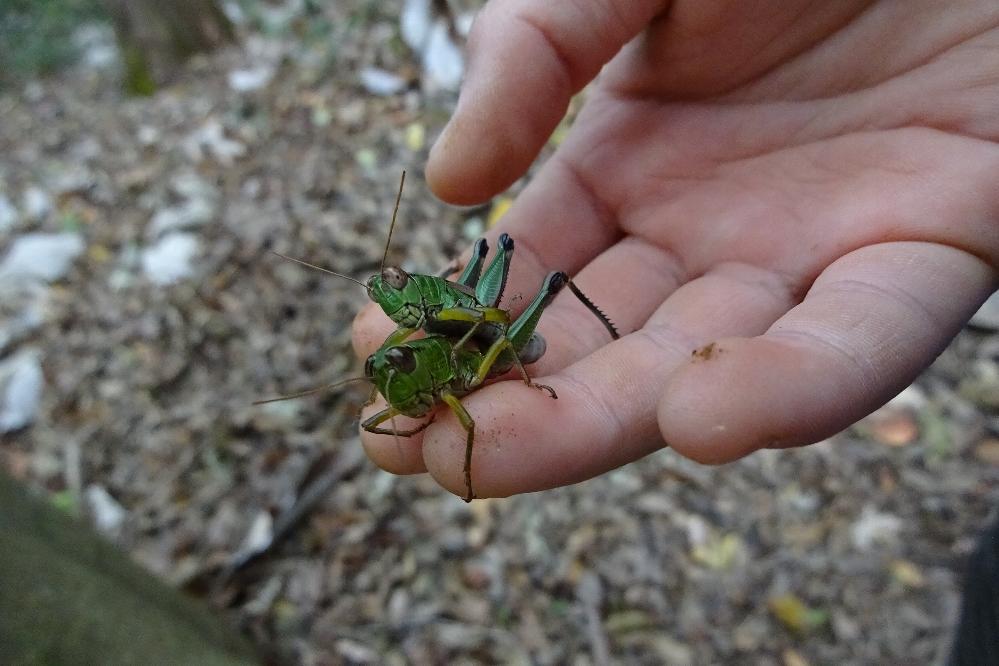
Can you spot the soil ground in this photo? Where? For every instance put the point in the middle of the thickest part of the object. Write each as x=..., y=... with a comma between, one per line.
x=846, y=552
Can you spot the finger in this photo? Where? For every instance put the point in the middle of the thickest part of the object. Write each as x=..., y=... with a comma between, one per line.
x=397, y=455
x=870, y=323
x=526, y=59
x=605, y=414
x=370, y=328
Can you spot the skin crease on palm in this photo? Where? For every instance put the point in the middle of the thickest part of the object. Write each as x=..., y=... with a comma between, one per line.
x=806, y=192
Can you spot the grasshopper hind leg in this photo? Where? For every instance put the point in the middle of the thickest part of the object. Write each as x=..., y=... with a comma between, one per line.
x=470, y=276
x=597, y=312
x=469, y=425
x=490, y=289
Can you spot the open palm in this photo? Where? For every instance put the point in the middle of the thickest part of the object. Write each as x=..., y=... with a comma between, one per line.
x=789, y=207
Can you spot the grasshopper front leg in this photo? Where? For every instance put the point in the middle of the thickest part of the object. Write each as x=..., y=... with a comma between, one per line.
x=399, y=335
x=469, y=425
x=371, y=423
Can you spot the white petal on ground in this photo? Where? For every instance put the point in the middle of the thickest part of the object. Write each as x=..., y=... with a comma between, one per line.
x=380, y=82
x=41, y=256
x=234, y=12
x=875, y=528
x=414, y=24
x=23, y=305
x=260, y=534
x=463, y=23
x=210, y=138
x=37, y=203
x=108, y=514
x=443, y=63
x=170, y=259
x=430, y=39
x=248, y=80
x=188, y=214
x=96, y=44
x=8, y=214
x=148, y=135
x=911, y=397
x=197, y=208
x=21, y=380
x=69, y=178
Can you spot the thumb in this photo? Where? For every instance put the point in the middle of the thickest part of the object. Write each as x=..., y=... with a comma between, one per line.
x=526, y=60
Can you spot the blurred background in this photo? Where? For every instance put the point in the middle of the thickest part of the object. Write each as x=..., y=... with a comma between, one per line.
x=151, y=158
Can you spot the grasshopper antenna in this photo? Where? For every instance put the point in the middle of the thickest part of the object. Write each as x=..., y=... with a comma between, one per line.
x=388, y=241
x=318, y=389
x=395, y=435
x=591, y=306
x=388, y=384
x=319, y=268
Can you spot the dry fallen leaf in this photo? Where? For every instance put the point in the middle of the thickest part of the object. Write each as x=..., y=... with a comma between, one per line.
x=794, y=614
x=718, y=553
x=907, y=573
x=794, y=658
x=988, y=451
x=894, y=427
x=499, y=209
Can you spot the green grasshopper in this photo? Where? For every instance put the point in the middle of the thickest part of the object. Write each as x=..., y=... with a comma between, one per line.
x=466, y=308
x=416, y=376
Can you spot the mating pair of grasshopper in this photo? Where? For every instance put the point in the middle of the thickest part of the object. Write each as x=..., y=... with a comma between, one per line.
x=469, y=338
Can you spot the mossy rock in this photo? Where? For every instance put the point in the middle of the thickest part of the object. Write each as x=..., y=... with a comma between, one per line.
x=69, y=597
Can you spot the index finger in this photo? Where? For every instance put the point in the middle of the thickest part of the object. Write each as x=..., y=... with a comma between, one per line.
x=526, y=60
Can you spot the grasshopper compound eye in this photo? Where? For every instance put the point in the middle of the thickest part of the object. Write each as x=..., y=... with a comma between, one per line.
x=402, y=359
x=395, y=277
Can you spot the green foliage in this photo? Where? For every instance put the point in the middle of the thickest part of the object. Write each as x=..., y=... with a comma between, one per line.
x=36, y=35
x=138, y=78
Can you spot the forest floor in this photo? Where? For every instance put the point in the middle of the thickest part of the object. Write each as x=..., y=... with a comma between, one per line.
x=174, y=317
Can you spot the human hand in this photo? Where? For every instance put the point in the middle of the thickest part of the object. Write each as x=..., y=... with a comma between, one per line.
x=806, y=193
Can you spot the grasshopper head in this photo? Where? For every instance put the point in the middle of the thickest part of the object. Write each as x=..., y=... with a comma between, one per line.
x=388, y=285
x=398, y=296
x=397, y=360
x=392, y=372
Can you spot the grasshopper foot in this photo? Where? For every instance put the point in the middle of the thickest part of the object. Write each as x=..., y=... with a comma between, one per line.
x=545, y=387
x=469, y=495
x=399, y=433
